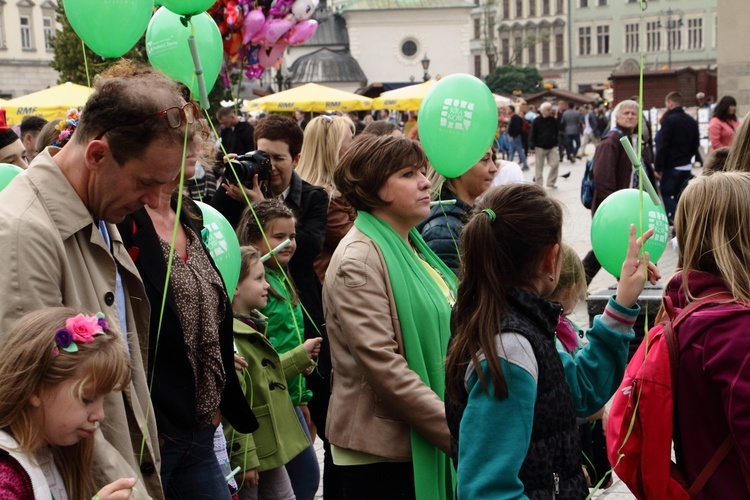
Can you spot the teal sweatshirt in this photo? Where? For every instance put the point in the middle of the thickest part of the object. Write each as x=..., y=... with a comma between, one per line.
x=491, y=472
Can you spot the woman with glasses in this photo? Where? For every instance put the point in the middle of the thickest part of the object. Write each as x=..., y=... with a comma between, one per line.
x=190, y=364
x=441, y=230
x=387, y=302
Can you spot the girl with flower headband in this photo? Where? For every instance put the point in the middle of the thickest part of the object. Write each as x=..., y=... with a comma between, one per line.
x=58, y=365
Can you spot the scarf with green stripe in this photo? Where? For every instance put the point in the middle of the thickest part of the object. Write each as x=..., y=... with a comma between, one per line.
x=424, y=315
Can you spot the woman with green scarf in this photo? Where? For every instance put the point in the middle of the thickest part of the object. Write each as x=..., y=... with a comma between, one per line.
x=387, y=300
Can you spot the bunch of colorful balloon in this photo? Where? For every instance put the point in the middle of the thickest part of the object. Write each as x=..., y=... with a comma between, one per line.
x=256, y=33
x=182, y=40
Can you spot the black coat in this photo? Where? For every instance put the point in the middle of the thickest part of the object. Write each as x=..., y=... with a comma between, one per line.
x=544, y=132
x=677, y=140
x=173, y=390
x=310, y=207
x=238, y=139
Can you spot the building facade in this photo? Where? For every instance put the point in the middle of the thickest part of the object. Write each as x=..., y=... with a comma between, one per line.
x=521, y=33
x=608, y=35
x=25, y=52
x=734, y=64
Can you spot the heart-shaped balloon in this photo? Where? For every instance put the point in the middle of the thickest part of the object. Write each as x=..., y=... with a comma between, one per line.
x=252, y=24
x=168, y=50
x=272, y=30
x=101, y=26
x=302, y=32
x=268, y=57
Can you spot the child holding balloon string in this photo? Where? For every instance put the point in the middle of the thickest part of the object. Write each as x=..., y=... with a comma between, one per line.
x=58, y=365
x=262, y=455
x=504, y=374
x=266, y=225
x=571, y=289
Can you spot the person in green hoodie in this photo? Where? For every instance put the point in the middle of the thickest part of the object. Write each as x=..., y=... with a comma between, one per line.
x=263, y=454
x=266, y=225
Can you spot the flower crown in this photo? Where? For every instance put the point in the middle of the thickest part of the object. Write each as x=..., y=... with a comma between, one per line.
x=79, y=329
x=66, y=127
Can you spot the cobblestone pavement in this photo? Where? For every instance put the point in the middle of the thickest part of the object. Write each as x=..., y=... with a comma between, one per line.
x=576, y=233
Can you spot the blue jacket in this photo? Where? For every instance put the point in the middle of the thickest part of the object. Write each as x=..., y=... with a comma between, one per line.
x=441, y=230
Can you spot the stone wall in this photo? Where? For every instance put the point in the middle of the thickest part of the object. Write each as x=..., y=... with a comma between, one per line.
x=732, y=43
x=23, y=77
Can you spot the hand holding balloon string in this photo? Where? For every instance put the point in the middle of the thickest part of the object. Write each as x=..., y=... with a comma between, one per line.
x=636, y=270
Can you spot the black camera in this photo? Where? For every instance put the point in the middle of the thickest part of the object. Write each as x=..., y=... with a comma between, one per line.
x=247, y=166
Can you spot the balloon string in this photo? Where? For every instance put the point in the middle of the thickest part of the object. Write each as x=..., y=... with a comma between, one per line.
x=86, y=63
x=170, y=258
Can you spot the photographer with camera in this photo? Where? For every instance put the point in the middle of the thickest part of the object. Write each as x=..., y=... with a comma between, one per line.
x=279, y=139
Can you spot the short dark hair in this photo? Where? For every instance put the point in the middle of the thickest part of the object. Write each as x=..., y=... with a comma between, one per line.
x=380, y=127
x=32, y=124
x=369, y=162
x=126, y=106
x=675, y=97
x=224, y=111
x=280, y=128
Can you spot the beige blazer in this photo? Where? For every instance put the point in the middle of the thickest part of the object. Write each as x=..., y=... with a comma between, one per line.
x=54, y=255
x=376, y=399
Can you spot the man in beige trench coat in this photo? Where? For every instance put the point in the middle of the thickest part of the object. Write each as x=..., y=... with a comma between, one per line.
x=60, y=247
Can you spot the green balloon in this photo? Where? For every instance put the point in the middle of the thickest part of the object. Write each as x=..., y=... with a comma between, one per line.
x=457, y=123
x=188, y=7
x=610, y=228
x=7, y=173
x=223, y=245
x=168, y=50
x=109, y=27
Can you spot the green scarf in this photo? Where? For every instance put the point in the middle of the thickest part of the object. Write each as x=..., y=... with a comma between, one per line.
x=424, y=315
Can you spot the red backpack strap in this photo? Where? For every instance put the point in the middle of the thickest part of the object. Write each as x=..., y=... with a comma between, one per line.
x=674, y=358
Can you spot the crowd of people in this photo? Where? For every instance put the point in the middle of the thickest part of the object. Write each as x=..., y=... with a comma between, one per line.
x=417, y=325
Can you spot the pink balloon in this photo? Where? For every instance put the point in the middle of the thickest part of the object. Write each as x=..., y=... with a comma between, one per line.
x=254, y=71
x=271, y=55
x=252, y=24
x=302, y=32
x=271, y=31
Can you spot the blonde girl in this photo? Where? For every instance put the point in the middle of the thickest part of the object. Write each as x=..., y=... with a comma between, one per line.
x=284, y=314
x=713, y=382
x=57, y=367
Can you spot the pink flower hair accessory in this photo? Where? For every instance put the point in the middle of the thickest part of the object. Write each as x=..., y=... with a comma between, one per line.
x=79, y=329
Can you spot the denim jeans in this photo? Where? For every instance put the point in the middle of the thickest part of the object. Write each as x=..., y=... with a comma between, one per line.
x=573, y=142
x=304, y=471
x=516, y=146
x=189, y=468
x=671, y=185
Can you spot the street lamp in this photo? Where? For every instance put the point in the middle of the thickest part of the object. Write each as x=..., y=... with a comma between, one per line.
x=279, y=79
x=425, y=66
x=672, y=24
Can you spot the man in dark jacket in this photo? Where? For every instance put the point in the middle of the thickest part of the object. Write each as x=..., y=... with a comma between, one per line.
x=677, y=144
x=612, y=168
x=515, y=129
x=543, y=139
x=236, y=136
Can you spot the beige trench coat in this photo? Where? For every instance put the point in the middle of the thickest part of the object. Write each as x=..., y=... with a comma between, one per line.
x=54, y=255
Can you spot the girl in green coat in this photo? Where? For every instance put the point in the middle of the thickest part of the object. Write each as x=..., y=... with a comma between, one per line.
x=264, y=377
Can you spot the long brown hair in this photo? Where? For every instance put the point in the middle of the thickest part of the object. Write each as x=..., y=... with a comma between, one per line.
x=497, y=255
x=250, y=232
x=712, y=223
x=31, y=364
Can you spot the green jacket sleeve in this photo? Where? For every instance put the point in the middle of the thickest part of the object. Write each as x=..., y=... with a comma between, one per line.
x=295, y=362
